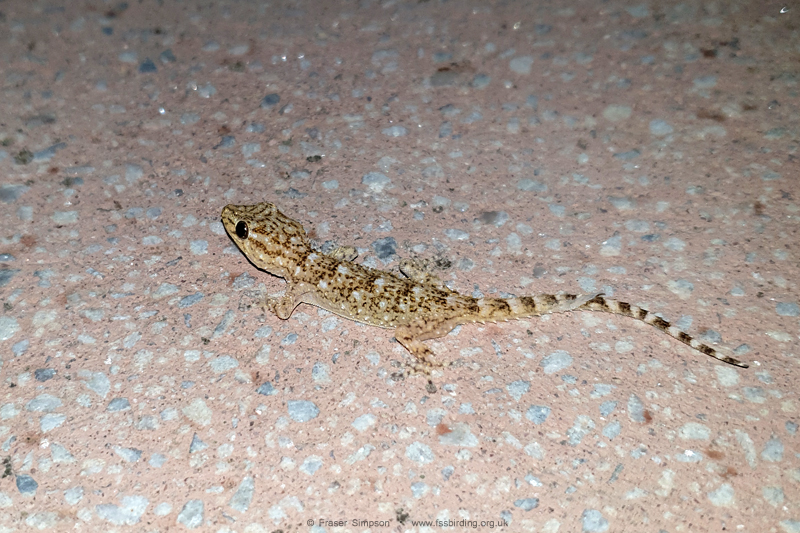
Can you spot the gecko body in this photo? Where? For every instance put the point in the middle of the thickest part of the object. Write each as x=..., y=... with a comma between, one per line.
x=418, y=307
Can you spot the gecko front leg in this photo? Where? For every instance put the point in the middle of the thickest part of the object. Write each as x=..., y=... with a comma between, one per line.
x=283, y=306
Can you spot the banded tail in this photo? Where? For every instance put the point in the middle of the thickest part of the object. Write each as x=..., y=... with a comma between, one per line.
x=495, y=310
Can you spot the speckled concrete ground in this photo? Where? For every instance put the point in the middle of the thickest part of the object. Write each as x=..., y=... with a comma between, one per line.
x=644, y=150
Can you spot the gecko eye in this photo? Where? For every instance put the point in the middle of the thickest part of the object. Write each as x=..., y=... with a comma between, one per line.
x=242, y=230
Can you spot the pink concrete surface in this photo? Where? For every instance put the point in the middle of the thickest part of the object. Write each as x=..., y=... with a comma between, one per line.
x=645, y=150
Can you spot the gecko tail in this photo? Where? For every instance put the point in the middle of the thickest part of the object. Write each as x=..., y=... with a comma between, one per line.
x=494, y=310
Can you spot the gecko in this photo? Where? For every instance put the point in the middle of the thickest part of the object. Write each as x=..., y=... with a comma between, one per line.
x=417, y=306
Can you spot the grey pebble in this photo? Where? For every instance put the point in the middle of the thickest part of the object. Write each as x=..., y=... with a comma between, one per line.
x=445, y=130
x=527, y=504
x=167, y=56
x=223, y=363
x=26, y=485
x=773, y=450
x=51, y=421
x=593, y=521
x=556, y=361
x=607, y=407
x=517, y=388
x=790, y=526
x=419, y=453
x=459, y=435
x=197, y=444
x=375, y=181
x=146, y=422
x=289, y=339
x=147, y=66
x=527, y=184
x=44, y=374
x=157, y=460
x=162, y=509
x=42, y=520
x=481, y=81
x=270, y=100
x=248, y=149
x=192, y=514
x=7, y=274
x=10, y=193
x=694, y=431
x=521, y=64
x=190, y=300
x=582, y=426
x=774, y=496
x=635, y=409
x=96, y=382
x=267, y=389
x=8, y=327
x=60, y=454
x=73, y=495
x=364, y=422
x=419, y=489
x=263, y=332
x=43, y=403
x=311, y=464
x=601, y=389
x=628, y=156
x=755, y=394
x=302, y=410
x=660, y=128
x=495, y=218
x=456, y=234
x=118, y=404
x=384, y=248
x=395, y=131
x=787, y=309
x=240, y=501
x=447, y=472
x=537, y=413
x=131, y=455
x=612, y=429
x=723, y=496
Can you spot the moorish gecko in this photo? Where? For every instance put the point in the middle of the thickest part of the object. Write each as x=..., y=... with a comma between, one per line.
x=417, y=308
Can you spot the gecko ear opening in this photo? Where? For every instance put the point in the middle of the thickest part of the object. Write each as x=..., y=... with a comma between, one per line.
x=242, y=231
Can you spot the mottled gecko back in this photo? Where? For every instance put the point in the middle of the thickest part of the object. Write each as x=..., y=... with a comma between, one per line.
x=418, y=307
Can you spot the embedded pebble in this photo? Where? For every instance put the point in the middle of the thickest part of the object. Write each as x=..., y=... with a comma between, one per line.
x=723, y=496
x=787, y=309
x=582, y=426
x=192, y=514
x=537, y=413
x=694, y=431
x=459, y=434
x=521, y=64
x=26, y=485
x=302, y=410
x=636, y=409
x=593, y=521
x=527, y=504
x=517, y=388
x=198, y=412
x=376, y=182
x=556, y=361
x=773, y=450
x=240, y=501
x=419, y=453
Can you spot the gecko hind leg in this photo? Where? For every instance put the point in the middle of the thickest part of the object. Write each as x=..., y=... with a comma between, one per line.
x=412, y=337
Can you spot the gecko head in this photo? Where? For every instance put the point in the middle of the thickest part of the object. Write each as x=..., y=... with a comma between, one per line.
x=270, y=240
